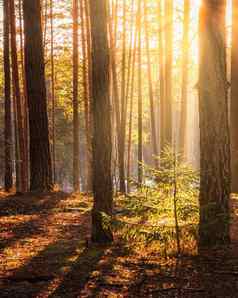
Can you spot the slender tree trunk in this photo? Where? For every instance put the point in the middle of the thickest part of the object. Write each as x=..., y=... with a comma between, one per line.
x=40, y=159
x=8, y=182
x=168, y=71
x=140, y=128
x=116, y=96
x=184, y=92
x=24, y=96
x=86, y=97
x=45, y=23
x=102, y=143
x=161, y=78
x=151, y=92
x=121, y=144
x=234, y=98
x=89, y=85
x=23, y=187
x=131, y=108
x=214, y=130
x=75, y=97
x=52, y=63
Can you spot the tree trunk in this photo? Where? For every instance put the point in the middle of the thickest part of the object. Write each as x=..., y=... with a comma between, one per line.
x=24, y=96
x=131, y=108
x=23, y=183
x=52, y=64
x=116, y=100
x=184, y=93
x=86, y=99
x=89, y=84
x=168, y=72
x=234, y=98
x=102, y=143
x=7, y=94
x=140, y=128
x=214, y=130
x=75, y=98
x=151, y=92
x=121, y=144
x=40, y=159
x=161, y=78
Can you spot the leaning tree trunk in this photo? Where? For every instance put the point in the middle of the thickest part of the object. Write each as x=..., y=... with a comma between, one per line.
x=214, y=131
x=234, y=98
x=7, y=94
x=40, y=159
x=102, y=143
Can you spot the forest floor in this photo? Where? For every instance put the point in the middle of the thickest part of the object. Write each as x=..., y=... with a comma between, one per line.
x=44, y=252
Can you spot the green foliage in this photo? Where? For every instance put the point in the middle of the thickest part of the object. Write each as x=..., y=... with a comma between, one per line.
x=168, y=192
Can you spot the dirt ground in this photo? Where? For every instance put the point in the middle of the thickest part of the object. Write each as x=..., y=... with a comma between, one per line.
x=44, y=252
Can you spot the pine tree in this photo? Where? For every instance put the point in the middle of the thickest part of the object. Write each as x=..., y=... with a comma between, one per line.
x=102, y=142
x=7, y=94
x=214, y=131
x=40, y=159
x=234, y=98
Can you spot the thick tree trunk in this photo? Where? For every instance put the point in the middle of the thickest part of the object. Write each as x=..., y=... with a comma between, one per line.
x=75, y=98
x=184, y=92
x=40, y=159
x=234, y=98
x=7, y=95
x=102, y=143
x=214, y=131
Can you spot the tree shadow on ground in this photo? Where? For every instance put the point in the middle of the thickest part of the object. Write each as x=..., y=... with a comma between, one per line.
x=40, y=206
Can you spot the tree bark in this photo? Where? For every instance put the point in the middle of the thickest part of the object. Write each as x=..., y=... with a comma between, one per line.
x=75, y=98
x=24, y=96
x=23, y=183
x=40, y=159
x=121, y=144
x=52, y=64
x=214, y=130
x=102, y=142
x=234, y=98
x=89, y=84
x=140, y=128
x=7, y=95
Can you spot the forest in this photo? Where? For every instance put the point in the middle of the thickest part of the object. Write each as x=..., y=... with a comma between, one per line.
x=119, y=148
